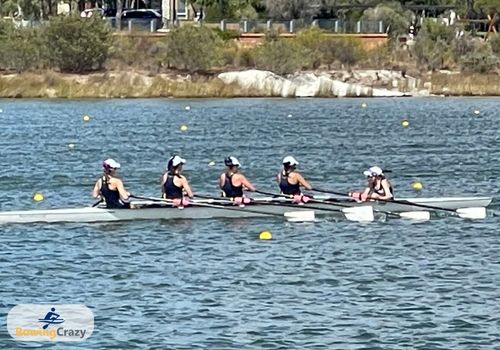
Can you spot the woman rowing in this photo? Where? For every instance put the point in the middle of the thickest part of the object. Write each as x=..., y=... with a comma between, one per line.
x=232, y=182
x=290, y=181
x=110, y=188
x=174, y=185
x=379, y=186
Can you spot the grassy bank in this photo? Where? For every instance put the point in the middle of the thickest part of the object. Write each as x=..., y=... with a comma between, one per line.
x=115, y=85
x=128, y=84
x=465, y=84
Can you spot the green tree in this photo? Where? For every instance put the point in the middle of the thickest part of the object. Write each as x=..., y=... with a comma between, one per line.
x=77, y=45
x=312, y=39
x=20, y=48
x=292, y=9
x=343, y=50
x=490, y=6
x=392, y=15
x=432, y=47
x=282, y=56
x=194, y=48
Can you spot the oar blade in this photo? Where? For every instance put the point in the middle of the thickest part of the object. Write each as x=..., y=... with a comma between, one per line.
x=420, y=215
x=361, y=214
x=472, y=213
x=300, y=215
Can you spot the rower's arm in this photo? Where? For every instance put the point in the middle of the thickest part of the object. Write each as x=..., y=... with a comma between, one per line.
x=222, y=179
x=303, y=182
x=387, y=190
x=246, y=183
x=97, y=189
x=367, y=194
x=121, y=190
x=186, y=187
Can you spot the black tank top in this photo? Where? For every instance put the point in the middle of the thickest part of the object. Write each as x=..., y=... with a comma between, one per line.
x=112, y=197
x=286, y=187
x=170, y=190
x=229, y=189
x=381, y=192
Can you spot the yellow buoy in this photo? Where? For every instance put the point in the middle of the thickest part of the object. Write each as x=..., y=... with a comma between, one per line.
x=71, y=145
x=417, y=185
x=364, y=105
x=476, y=112
x=38, y=197
x=86, y=118
x=265, y=235
x=405, y=123
x=187, y=108
x=184, y=127
x=211, y=163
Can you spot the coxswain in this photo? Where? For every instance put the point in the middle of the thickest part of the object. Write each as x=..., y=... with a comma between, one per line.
x=110, y=188
x=290, y=181
x=174, y=186
x=378, y=187
x=232, y=183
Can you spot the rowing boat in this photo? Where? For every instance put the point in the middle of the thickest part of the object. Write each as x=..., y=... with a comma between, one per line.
x=263, y=207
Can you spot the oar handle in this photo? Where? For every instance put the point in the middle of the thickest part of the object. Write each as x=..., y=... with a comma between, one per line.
x=330, y=192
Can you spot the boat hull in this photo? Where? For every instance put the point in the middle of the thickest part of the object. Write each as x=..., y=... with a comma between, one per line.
x=265, y=207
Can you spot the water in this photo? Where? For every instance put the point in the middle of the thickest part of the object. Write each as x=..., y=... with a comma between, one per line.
x=212, y=284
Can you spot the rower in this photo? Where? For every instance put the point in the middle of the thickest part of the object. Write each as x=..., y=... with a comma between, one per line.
x=379, y=186
x=232, y=182
x=290, y=181
x=173, y=184
x=110, y=188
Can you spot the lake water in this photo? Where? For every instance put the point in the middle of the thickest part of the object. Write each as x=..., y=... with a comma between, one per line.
x=212, y=284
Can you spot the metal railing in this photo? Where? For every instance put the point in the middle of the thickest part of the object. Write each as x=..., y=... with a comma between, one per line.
x=247, y=26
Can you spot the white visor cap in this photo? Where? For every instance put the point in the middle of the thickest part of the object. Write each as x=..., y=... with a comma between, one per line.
x=176, y=160
x=233, y=161
x=290, y=160
x=373, y=171
x=111, y=163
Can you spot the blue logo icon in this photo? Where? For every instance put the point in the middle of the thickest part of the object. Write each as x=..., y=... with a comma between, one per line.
x=51, y=318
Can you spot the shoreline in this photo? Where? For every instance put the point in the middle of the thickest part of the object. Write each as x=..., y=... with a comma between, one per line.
x=249, y=83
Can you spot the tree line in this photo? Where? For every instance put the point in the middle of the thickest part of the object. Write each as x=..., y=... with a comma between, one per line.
x=262, y=9
x=73, y=44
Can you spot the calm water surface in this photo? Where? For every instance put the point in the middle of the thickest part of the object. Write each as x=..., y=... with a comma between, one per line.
x=212, y=284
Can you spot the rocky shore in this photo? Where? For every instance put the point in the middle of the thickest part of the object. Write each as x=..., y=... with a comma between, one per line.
x=249, y=83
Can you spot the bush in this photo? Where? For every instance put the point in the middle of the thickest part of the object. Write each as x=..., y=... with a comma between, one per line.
x=283, y=56
x=495, y=44
x=194, y=48
x=77, y=44
x=393, y=15
x=312, y=39
x=480, y=60
x=20, y=49
x=141, y=52
x=344, y=50
x=433, y=45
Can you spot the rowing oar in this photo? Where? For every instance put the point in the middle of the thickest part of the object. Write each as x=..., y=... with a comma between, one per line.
x=361, y=213
x=348, y=213
x=296, y=216
x=97, y=203
x=420, y=215
x=467, y=213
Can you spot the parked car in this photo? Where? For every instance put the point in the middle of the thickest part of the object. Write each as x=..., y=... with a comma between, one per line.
x=142, y=18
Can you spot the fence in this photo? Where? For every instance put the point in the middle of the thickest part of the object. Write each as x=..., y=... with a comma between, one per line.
x=329, y=25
